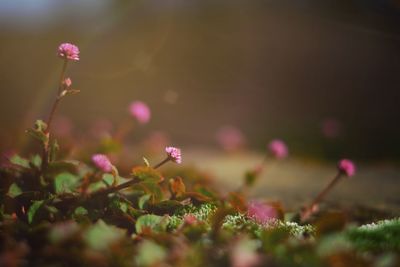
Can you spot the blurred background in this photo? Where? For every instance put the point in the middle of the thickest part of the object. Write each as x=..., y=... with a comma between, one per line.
x=322, y=75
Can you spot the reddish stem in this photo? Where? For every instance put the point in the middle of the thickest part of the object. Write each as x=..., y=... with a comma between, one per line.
x=45, y=153
x=161, y=163
x=309, y=209
x=56, y=102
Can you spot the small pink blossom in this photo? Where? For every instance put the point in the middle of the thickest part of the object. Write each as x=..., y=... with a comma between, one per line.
x=174, y=154
x=347, y=167
x=261, y=212
x=278, y=149
x=67, y=82
x=68, y=51
x=102, y=162
x=140, y=111
x=230, y=138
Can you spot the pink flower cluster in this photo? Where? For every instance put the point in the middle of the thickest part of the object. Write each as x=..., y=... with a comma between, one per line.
x=347, y=167
x=174, y=154
x=68, y=51
x=102, y=162
x=140, y=111
x=278, y=149
x=261, y=212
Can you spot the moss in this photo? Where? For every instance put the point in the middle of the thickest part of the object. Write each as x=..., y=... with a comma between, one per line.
x=380, y=236
x=202, y=213
x=237, y=222
x=241, y=222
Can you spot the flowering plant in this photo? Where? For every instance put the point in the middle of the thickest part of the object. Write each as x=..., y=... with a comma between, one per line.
x=58, y=211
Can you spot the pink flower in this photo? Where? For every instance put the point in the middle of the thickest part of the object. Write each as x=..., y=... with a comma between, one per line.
x=278, y=149
x=67, y=82
x=102, y=162
x=230, y=138
x=347, y=167
x=140, y=111
x=261, y=212
x=68, y=51
x=174, y=154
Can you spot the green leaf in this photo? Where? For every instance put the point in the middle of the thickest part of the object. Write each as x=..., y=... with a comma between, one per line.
x=57, y=167
x=151, y=222
x=143, y=200
x=100, y=236
x=147, y=174
x=119, y=203
x=19, y=161
x=150, y=188
x=14, y=190
x=38, y=132
x=108, y=178
x=80, y=211
x=40, y=125
x=65, y=183
x=93, y=187
x=33, y=210
x=36, y=160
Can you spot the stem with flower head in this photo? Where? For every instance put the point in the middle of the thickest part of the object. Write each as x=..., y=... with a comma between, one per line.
x=60, y=94
x=116, y=188
x=309, y=210
x=173, y=154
